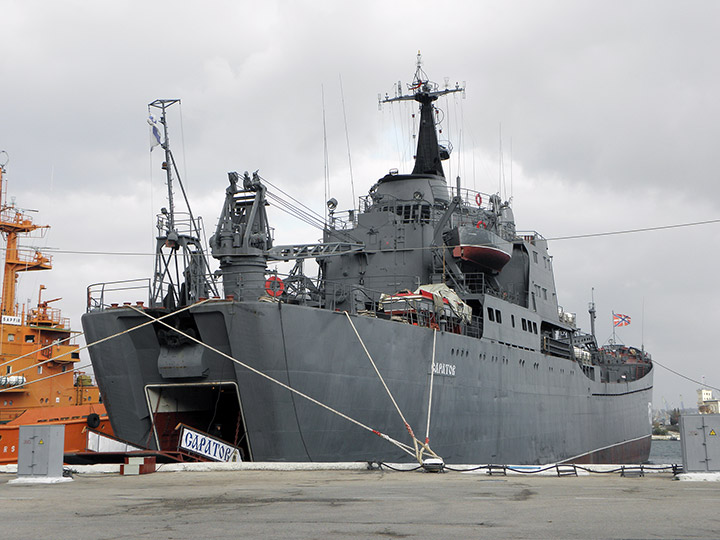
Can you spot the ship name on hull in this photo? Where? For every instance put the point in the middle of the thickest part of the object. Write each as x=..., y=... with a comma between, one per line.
x=446, y=370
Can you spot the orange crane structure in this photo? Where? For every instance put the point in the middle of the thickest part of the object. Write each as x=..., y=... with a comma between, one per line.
x=38, y=382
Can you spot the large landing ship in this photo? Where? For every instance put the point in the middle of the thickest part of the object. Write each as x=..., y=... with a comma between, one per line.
x=430, y=313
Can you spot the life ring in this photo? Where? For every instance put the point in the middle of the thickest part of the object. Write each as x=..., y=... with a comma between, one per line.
x=478, y=199
x=93, y=420
x=481, y=222
x=274, y=286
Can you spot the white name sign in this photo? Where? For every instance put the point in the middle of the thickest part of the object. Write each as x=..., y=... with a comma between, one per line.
x=10, y=319
x=447, y=370
x=209, y=447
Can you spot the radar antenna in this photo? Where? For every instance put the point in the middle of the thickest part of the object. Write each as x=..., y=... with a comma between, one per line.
x=424, y=91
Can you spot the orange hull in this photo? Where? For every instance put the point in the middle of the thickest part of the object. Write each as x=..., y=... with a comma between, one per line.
x=74, y=417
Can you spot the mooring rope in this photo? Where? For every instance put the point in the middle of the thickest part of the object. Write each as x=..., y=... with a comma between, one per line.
x=50, y=346
x=425, y=447
x=87, y=346
x=419, y=447
x=406, y=448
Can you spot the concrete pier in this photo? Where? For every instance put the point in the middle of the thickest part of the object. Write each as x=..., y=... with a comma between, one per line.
x=358, y=504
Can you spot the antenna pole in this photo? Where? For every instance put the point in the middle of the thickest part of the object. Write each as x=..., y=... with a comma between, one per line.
x=591, y=311
x=182, y=272
x=163, y=105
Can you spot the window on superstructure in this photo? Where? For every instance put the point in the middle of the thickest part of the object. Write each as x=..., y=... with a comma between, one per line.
x=535, y=257
x=491, y=314
x=29, y=338
x=11, y=337
x=39, y=370
x=534, y=328
x=524, y=325
x=498, y=316
x=412, y=213
x=8, y=370
x=544, y=293
x=512, y=320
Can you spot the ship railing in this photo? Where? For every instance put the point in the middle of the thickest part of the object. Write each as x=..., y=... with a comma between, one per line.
x=468, y=198
x=410, y=211
x=402, y=306
x=415, y=210
x=531, y=237
x=45, y=316
x=477, y=284
x=14, y=217
x=182, y=224
x=343, y=220
x=103, y=295
x=473, y=199
x=34, y=258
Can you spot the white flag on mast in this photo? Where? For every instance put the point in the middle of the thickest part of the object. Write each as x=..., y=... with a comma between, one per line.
x=155, y=129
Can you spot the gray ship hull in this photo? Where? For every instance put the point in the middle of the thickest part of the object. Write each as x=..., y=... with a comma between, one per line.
x=492, y=402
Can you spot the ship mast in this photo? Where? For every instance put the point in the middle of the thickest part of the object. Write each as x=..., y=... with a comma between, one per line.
x=591, y=311
x=182, y=273
x=428, y=155
x=13, y=222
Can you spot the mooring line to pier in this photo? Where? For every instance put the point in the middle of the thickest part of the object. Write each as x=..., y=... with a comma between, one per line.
x=406, y=448
x=420, y=447
x=88, y=345
x=397, y=408
x=432, y=379
x=50, y=346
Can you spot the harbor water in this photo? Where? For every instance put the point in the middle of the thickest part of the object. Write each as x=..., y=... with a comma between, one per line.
x=665, y=452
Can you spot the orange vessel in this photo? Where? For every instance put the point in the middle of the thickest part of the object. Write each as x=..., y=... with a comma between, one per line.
x=38, y=382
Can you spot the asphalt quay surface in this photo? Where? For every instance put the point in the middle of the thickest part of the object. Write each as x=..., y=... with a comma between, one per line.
x=358, y=504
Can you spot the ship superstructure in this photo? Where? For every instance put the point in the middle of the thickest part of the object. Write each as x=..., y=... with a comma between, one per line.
x=429, y=311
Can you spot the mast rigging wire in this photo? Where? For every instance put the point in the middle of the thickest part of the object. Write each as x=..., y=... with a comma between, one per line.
x=685, y=376
x=347, y=140
x=553, y=238
x=326, y=158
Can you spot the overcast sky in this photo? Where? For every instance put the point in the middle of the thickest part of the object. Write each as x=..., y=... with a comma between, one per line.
x=607, y=114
